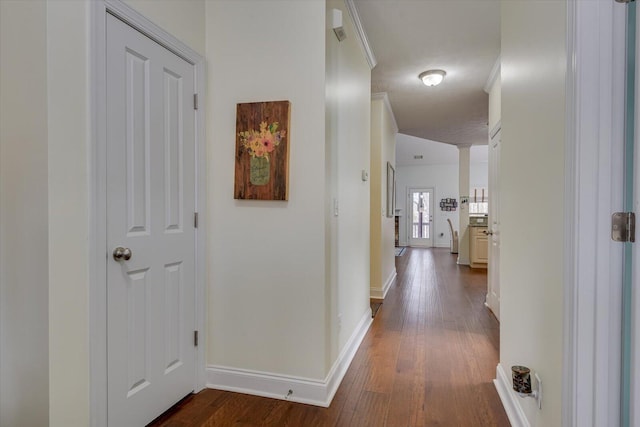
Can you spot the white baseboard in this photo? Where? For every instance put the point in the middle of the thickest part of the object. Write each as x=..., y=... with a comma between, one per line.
x=382, y=293
x=340, y=366
x=510, y=401
x=463, y=261
x=276, y=386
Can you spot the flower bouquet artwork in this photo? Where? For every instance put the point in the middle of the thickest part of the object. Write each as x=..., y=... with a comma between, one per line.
x=262, y=150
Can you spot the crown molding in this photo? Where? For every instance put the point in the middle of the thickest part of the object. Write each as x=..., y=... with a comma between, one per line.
x=384, y=97
x=362, y=36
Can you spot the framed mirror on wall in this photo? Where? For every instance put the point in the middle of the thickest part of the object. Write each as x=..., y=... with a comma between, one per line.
x=391, y=191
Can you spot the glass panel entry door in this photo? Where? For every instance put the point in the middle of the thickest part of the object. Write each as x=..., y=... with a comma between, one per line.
x=420, y=217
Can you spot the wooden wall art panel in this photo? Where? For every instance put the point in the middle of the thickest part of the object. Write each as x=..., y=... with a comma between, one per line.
x=262, y=151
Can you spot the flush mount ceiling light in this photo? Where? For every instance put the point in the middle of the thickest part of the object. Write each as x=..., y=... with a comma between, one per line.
x=432, y=77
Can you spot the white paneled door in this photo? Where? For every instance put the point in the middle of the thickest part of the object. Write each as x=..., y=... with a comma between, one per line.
x=150, y=227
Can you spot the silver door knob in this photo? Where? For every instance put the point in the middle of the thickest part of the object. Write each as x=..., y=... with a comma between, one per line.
x=121, y=253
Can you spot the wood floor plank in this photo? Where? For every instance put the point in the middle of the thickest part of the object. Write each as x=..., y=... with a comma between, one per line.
x=428, y=359
x=371, y=410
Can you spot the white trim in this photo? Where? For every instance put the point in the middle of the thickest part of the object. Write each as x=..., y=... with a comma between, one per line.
x=634, y=398
x=97, y=217
x=494, y=131
x=340, y=366
x=510, y=400
x=97, y=197
x=382, y=293
x=409, y=224
x=384, y=96
x=570, y=348
x=136, y=20
x=360, y=33
x=311, y=392
x=493, y=75
x=593, y=164
x=201, y=231
x=305, y=390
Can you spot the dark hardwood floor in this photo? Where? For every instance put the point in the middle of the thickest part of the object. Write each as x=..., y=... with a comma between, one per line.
x=428, y=360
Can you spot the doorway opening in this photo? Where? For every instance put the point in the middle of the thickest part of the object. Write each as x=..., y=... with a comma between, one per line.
x=420, y=209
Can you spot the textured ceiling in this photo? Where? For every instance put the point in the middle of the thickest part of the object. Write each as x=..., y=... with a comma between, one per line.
x=461, y=37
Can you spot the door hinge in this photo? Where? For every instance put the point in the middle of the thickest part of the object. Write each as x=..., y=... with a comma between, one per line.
x=195, y=220
x=623, y=227
x=195, y=338
x=195, y=101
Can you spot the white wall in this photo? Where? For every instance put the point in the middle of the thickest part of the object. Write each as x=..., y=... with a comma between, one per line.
x=348, y=103
x=24, y=343
x=479, y=170
x=532, y=158
x=478, y=177
x=383, y=137
x=267, y=259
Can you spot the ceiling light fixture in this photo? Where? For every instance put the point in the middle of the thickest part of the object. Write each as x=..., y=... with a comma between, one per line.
x=432, y=77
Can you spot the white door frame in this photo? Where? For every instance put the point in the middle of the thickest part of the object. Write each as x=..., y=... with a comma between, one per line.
x=593, y=183
x=493, y=272
x=635, y=304
x=97, y=188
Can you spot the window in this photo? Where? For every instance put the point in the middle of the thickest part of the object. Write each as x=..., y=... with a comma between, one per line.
x=479, y=201
x=478, y=208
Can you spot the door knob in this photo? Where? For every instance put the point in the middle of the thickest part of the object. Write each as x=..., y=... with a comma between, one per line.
x=121, y=253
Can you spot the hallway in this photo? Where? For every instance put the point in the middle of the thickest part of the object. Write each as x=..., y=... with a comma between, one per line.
x=428, y=360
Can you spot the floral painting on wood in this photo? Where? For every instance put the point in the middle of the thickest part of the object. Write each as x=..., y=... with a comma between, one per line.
x=262, y=151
